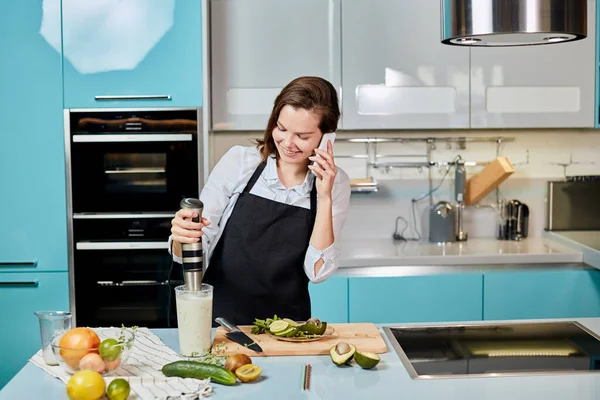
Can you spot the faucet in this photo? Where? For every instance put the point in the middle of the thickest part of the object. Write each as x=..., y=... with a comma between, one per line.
x=460, y=184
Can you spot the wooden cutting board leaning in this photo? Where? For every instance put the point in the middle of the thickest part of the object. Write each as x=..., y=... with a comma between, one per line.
x=365, y=336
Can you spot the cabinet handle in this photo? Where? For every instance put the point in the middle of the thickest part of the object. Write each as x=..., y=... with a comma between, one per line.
x=121, y=245
x=136, y=97
x=19, y=264
x=133, y=283
x=19, y=284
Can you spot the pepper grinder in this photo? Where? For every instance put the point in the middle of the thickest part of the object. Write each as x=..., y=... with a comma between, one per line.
x=192, y=252
x=459, y=194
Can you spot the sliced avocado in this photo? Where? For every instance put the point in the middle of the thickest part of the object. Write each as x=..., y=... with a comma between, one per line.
x=342, y=353
x=366, y=360
x=313, y=328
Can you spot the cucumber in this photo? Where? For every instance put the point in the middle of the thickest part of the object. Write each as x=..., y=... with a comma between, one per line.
x=198, y=370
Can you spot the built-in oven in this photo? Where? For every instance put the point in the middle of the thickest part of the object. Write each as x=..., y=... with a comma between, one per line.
x=123, y=272
x=127, y=172
x=133, y=161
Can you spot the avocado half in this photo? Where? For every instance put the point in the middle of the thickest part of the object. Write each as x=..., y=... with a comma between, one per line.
x=366, y=360
x=342, y=353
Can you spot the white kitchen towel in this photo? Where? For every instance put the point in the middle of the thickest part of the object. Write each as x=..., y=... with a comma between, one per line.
x=143, y=371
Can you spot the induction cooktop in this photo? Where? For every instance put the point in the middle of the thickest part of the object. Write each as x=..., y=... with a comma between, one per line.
x=488, y=350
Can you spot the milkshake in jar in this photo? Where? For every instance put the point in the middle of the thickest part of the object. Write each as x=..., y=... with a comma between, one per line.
x=194, y=319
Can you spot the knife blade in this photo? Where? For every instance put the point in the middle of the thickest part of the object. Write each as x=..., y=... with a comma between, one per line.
x=234, y=333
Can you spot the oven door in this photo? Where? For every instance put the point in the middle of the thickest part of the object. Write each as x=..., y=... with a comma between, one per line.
x=128, y=282
x=133, y=173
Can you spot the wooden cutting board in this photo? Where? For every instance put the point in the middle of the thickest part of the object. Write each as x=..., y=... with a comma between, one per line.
x=365, y=336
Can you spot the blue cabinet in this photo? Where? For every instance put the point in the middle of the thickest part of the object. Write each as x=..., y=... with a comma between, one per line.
x=433, y=298
x=26, y=293
x=144, y=53
x=33, y=210
x=329, y=300
x=563, y=293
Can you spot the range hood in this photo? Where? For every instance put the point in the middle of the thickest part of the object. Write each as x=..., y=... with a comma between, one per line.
x=512, y=22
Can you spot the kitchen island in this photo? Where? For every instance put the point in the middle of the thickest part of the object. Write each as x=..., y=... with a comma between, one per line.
x=281, y=378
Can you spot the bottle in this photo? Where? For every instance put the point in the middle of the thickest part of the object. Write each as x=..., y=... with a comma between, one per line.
x=192, y=252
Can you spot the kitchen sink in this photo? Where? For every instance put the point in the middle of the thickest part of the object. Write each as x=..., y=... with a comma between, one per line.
x=501, y=349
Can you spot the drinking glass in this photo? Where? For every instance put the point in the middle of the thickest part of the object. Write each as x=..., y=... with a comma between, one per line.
x=51, y=324
x=194, y=319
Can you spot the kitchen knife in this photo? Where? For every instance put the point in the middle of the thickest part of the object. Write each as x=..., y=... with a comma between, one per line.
x=235, y=334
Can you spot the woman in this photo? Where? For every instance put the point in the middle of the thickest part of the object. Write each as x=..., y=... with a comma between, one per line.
x=271, y=219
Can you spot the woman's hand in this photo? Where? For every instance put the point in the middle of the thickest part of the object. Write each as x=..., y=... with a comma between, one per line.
x=325, y=171
x=184, y=230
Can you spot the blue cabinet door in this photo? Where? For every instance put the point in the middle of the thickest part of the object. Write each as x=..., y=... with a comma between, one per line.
x=329, y=300
x=33, y=211
x=433, y=298
x=145, y=53
x=21, y=294
x=560, y=293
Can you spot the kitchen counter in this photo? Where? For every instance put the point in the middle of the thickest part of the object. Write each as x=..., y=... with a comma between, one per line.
x=586, y=242
x=390, y=380
x=383, y=252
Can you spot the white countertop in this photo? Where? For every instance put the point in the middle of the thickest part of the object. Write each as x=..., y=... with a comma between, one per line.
x=590, y=239
x=476, y=251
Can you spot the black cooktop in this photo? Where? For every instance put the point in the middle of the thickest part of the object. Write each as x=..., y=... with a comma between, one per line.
x=496, y=349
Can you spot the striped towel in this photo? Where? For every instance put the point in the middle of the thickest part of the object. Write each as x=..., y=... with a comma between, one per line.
x=143, y=370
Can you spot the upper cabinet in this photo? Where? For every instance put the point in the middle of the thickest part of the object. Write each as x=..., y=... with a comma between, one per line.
x=33, y=209
x=535, y=86
x=396, y=72
x=259, y=46
x=145, y=53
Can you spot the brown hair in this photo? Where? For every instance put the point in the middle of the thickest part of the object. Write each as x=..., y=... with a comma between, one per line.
x=309, y=93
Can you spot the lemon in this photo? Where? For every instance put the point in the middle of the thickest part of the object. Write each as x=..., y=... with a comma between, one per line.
x=278, y=326
x=86, y=385
x=118, y=389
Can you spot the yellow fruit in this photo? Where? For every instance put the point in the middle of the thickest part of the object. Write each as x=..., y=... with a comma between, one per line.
x=86, y=385
x=248, y=372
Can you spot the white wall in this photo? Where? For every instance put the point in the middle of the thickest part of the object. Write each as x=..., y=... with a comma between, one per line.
x=538, y=156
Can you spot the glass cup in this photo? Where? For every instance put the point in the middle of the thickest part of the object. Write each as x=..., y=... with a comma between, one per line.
x=52, y=323
x=194, y=319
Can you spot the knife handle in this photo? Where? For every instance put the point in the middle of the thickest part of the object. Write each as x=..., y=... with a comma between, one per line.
x=226, y=324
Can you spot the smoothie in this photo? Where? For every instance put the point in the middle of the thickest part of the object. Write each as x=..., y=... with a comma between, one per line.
x=194, y=320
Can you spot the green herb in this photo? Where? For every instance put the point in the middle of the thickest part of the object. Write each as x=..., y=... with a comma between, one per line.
x=216, y=357
x=122, y=338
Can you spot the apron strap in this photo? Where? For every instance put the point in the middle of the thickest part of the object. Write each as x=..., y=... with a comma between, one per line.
x=313, y=202
x=255, y=176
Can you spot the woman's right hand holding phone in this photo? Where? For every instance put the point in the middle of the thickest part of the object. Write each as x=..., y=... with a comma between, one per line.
x=184, y=230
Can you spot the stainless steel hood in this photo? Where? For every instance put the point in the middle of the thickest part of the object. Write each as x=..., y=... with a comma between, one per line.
x=512, y=22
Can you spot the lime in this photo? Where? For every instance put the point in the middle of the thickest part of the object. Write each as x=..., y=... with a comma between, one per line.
x=86, y=385
x=291, y=322
x=118, y=389
x=278, y=326
x=110, y=349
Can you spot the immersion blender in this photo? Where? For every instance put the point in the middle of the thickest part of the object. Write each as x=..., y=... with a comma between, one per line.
x=192, y=252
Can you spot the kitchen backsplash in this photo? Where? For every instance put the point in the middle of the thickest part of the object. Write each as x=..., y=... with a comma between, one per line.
x=538, y=156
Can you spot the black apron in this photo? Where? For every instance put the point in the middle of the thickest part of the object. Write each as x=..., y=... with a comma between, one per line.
x=257, y=268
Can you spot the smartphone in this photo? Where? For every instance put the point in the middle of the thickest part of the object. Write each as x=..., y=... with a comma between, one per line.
x=323, y=145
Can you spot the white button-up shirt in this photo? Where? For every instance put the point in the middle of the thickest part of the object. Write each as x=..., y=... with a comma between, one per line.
x=228, y=180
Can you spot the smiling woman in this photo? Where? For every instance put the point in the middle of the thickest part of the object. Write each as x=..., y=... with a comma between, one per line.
x=270, y=225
